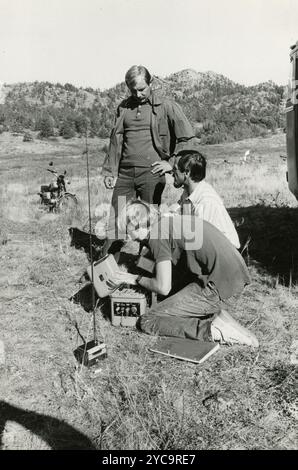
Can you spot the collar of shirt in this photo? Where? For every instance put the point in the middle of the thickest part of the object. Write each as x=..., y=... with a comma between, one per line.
x=203, y=190
x=153, y=100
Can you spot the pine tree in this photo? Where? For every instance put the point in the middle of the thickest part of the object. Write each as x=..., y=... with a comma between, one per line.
x=45, y=126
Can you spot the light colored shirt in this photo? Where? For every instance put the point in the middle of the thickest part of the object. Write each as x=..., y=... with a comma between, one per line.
x=208, y=205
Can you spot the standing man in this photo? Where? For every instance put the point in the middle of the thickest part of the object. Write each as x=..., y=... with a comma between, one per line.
x=148, y=131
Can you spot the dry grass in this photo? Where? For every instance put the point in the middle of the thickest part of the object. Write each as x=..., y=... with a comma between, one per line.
x=239, y=399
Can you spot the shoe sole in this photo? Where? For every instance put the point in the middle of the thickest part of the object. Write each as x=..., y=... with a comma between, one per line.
x=232, y=332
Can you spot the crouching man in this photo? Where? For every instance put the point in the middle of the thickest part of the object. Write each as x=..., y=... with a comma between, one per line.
x=216, y=274
x=199, y=197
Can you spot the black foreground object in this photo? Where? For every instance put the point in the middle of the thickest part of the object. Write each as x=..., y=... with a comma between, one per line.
x=90, y=353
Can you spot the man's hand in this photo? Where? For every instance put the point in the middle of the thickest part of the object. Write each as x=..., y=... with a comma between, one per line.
x=161, y=167
x=110, y=182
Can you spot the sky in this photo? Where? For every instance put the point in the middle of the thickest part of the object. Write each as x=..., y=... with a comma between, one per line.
x=94, y=42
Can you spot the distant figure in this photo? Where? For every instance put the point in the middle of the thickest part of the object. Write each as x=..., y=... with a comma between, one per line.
x=148, y=130
x=244, y=158
x=199, y=197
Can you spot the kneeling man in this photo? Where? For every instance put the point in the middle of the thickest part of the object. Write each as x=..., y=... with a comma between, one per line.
x=217, y=274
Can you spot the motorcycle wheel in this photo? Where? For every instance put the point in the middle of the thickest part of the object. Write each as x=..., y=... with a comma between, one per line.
x=66, y=203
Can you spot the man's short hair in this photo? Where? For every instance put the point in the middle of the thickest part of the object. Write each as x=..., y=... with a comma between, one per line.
x=193, y=162
x=136, y=71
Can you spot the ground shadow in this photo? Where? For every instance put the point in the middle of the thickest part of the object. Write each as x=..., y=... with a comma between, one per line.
x=271, y=236
x=80, y=239
x=56, y=433
x=270, y=233
x=84, y=297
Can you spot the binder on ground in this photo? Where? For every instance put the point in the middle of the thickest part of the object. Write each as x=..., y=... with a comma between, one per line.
x=185, y=349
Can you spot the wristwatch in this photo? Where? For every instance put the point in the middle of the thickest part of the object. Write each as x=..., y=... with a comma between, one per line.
x=138, y=278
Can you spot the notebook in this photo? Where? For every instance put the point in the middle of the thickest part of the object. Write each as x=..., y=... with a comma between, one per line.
x=185, y=349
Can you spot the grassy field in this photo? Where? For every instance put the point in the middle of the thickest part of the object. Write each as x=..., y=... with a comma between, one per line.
x=239, y=399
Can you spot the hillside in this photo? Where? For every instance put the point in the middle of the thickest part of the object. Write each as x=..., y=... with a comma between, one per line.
x=219, y=109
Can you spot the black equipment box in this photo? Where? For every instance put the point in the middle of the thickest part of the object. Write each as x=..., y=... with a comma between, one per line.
x=90, y=353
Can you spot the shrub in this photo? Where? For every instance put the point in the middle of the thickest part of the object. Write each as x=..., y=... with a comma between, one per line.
x=27, y=137
x=45, y=126
x=67, y=130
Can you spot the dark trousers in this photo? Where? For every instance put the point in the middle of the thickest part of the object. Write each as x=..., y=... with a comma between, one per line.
x=187, y=314
x=135, y=182
x=138, y=182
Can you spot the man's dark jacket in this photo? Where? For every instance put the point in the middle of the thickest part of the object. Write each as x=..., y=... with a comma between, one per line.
x=170, y=130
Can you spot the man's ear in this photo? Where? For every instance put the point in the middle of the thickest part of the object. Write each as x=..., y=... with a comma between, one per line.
x=186, y=176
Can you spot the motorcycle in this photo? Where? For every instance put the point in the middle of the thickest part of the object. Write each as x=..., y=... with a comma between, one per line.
x=54, y=195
